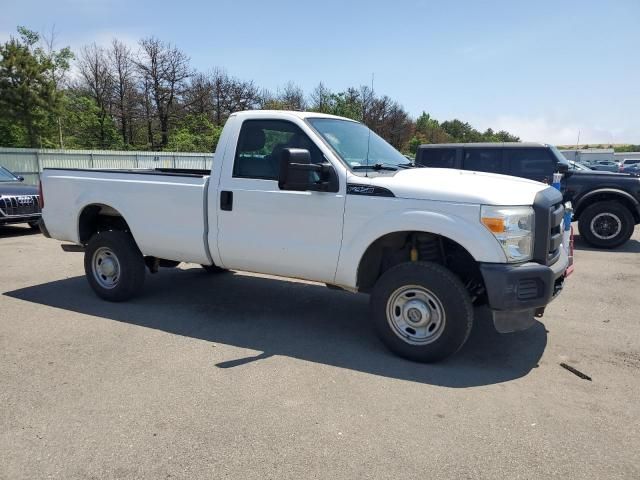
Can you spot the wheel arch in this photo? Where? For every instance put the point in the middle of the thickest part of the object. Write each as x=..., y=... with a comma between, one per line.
x=460, y=228
x=608, y=195
x=396, y=247
x=95, y=217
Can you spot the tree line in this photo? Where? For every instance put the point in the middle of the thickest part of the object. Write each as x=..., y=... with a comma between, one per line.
x=151, y=98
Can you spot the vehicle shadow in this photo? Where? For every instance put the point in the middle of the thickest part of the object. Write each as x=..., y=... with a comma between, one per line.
x=7, y=231
x=303, y=321
x=632, y=246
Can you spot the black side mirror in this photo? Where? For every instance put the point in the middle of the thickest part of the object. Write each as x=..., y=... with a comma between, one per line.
x=563, y=168
x=20, y=178
x=299, y=174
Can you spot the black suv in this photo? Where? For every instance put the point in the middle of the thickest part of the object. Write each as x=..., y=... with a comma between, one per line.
x=19, y=203
x=606, y=205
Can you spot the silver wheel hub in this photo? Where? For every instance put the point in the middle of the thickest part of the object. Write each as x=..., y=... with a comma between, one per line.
x=416, y=315
x=105, y=267
x=606, y=225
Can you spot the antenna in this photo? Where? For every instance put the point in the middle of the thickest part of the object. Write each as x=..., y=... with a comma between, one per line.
x=578, y=142
x=363, y=119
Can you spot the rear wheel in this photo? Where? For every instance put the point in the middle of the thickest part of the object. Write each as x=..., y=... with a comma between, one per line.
x=421, y=311
x=114, y=266
x=606, y=224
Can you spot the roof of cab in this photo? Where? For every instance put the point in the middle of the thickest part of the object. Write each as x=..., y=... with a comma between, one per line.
x=287, y=113
x=485, y=145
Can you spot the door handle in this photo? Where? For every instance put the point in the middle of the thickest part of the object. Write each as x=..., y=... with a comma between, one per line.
x=226, y=200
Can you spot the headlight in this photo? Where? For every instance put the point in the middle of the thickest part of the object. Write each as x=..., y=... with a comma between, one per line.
x=513, y=228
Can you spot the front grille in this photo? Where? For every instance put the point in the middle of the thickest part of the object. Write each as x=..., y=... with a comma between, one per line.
x=19, y=205
x=556, y=213
x=549, y=212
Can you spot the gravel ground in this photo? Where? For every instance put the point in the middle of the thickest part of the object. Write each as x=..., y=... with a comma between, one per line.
x=245, y=376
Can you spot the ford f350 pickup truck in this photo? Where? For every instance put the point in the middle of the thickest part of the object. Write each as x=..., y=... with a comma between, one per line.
x=323, y=198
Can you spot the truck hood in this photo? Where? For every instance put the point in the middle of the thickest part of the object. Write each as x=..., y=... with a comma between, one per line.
x=600, y=173
x=459, y=186
x=17, y=188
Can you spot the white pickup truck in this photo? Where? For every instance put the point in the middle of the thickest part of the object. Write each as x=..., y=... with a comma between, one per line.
x=323, y=198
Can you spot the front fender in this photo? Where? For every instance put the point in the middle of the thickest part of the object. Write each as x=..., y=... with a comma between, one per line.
x=463, y=228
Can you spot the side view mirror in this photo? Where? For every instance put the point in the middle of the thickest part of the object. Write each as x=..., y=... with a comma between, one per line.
x=297, y=173
x=563, y=168
x=20, y=178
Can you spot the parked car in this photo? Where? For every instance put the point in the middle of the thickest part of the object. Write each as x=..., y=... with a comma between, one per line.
x=606, y=205
x=19, y=203
x=323, y=198
x=630, y=165
x=605, y=166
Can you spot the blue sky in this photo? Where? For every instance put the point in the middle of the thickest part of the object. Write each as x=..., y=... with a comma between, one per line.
x=541, y=69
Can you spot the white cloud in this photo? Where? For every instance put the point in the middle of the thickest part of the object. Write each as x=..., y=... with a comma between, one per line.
x=556, y=131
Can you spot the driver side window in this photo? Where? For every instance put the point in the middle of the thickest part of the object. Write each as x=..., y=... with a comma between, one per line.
x=260, y=145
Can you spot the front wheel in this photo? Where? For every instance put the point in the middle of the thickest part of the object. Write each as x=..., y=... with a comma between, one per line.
x=606, y=224
x=34, y=225
x=114, y=266
x=421, y=311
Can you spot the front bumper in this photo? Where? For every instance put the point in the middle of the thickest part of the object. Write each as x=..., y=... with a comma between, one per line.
x=518, y=293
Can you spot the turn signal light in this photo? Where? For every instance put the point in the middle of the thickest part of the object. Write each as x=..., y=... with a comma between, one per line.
x=496, y=225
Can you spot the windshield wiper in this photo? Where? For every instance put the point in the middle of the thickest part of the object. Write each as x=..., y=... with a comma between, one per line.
x=383, y=166
x=376, y=166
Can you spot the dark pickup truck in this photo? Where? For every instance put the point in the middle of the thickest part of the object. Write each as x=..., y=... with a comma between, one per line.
x=606, y=205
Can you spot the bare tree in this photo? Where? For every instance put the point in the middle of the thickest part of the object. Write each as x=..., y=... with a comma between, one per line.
x=292, y=97
x=164, y=70
x=243, y=95
x=59, y=64
x=122, y=72
x=198, y=97
x=320, y=99
x=96, y=82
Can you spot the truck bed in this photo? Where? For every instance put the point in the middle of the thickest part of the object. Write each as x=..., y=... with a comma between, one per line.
x=166, y=209
x=179, y=172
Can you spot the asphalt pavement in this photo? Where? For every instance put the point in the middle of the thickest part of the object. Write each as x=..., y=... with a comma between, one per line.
x=250, y=377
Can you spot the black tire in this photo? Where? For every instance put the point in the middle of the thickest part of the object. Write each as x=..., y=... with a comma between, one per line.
x=130, y=265
x=213, y=269
x=599, y=222
x=441, y=285
x=34, y=225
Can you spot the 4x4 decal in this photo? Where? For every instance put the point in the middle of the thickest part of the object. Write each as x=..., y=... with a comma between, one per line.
x=369, y=190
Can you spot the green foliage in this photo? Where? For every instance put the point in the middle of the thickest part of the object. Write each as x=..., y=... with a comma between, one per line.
x=429, y=130
x=196, y=133
x=627, y=148
x=84, y=127
x=30, y=100
x=114, y=104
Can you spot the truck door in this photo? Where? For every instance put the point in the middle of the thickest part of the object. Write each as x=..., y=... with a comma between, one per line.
x=267, y=230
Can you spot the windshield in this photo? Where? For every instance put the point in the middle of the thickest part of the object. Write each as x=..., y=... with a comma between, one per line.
x=579, y=166
x=357, y=145
x=7, y=176
x=559, y=156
